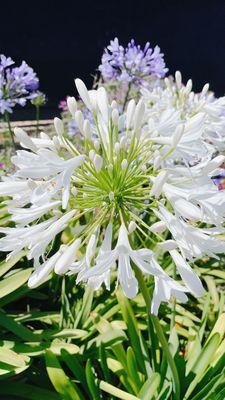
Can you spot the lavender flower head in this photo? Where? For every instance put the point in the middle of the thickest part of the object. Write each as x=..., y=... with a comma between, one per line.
x=132, y=64
x=17, y=84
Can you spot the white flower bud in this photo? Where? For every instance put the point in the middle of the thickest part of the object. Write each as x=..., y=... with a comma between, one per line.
x=157, y=186
x=67, y=258
x=168, y=245
x=122, y=142
x=79, y=118
x=74, y=190
x=132, y=226
x=87, y=128
x=188, y=210
x=205, y=89
x=130, y=113
x=178, y=79
x=189, y=86
x=91, y=154
x=110, y=167
x=24, y=139
x=103, y=105
x=59, y=127
x=56, y=142
x=111, y=196
x=93, y=99
x=116, y=147
x=157, y=162
x=72, y=105
x=177, y=135
x=139, y=114
x=83, y=92
x=98, y=162
x=124, y=164
x=115, y=116
x=97, y=144
x=114, y=105
x=44, y=136
x=158, y=227
x=167, y=82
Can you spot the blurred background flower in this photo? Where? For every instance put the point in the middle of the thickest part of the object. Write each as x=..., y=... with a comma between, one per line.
x=17, y=84
x=132, y=63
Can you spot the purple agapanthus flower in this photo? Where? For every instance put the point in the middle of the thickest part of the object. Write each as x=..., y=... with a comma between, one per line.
x=17, y=84
x=132, y=64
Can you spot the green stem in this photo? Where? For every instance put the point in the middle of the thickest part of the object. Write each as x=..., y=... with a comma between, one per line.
x=173, y=311
x=6, y=115
x=127, y=95
x=37, y=118
x=160, y=333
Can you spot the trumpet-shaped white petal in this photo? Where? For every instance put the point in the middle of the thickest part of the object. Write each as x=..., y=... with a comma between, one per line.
x=87, y=129
x=72, y=105
x=42, y=272
x=103, y=104
x=98, y=162
x=79, y=118
x=193, y=242
x=157, y=186
x=189, y=277
x=213, y=164
x=130, y=113
x=177, y=135
x=158, y=227
x=25, y=216
x=83, y=92
x=24, y=139
x=68, y=256
x=115, y=116
x=59, y=127
x=132, y=226
x=165, y=289
x=139, y=114
x=123, y=254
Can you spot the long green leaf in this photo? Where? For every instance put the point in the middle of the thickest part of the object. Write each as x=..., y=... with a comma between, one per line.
x=5, y=266
x=18, y=329
x=202, y=363
x=14, y=281
x=132, y=327
x=91, y=381
x=118, y=393
x=59, y=379
x=25, y=391
x=10, y=357
x=150, y=387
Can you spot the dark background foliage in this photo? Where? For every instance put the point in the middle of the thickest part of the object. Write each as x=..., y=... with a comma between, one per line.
x=63, y=40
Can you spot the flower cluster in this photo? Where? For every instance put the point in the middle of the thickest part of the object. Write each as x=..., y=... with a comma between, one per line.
x=138, y=188
x=17, y=84
x=132, y=64
x=175, y=103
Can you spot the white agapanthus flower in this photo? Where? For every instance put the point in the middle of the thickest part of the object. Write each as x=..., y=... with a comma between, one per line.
x=202, y=115
x=133, y=190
